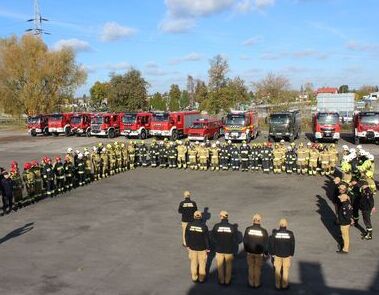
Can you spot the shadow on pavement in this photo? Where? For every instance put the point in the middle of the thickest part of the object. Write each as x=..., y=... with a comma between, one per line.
x=17, y=232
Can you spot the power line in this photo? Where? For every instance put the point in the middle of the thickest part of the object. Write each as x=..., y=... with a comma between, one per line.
x=37, y=20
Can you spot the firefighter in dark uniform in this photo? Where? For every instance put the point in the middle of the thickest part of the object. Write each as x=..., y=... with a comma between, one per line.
x=186, y=208
x=235, y=157
x=266, y=158
x=254, y=158
x=197, y=240
x=132, y=155
x=154, y=153
x=172, y=155
x=29, y=181
x=224, y=237
x=162, y=155
x=6, y=186
x=255, y=241
x=282, y=248
x=38, y=183
x=345, y=218
x=59, y=175
x=290, y=160
x=18, y=186
x=143, y=154
x=366, y=205
x=49, y=176
x=354, y=194
x=81, y=170
x=224, y=157
x=245, y=154
x=69, y=173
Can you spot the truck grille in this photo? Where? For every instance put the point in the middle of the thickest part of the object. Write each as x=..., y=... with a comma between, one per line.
x=370, y=135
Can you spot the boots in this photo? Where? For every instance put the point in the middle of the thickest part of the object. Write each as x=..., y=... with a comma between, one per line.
x=368, y=235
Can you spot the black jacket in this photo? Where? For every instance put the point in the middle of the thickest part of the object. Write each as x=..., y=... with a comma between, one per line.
x=187, y=208
x=282, y=243
x=255, y=239
x=197, y=236
x=345, y=213
x=224, y=236
x=366, y=201
x=7, y=187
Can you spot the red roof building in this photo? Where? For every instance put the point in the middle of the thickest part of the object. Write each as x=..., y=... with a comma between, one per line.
x=328, y=90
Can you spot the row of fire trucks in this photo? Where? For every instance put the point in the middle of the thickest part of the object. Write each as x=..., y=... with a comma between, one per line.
x=237, y=125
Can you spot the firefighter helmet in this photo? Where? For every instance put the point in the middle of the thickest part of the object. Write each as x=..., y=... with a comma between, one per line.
x=27, y=166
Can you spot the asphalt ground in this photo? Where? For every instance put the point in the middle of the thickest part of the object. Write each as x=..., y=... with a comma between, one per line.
x=122, y=235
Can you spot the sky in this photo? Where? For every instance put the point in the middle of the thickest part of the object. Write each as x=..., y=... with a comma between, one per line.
x=325, y=42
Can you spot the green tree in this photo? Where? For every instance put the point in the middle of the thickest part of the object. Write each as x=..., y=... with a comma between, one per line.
x=219, y=67
x=34, y=79
x=128, y=92
x=343, y=89
x=174, y=97
x=365, y=90
x=98, y=92
x=184, y=100
x=201, y=91
x=157, y=102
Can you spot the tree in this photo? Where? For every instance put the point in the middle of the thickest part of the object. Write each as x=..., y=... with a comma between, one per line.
x=98, y=92
x=365, y=90
x=201, y=91
x=157, y=102
x=184, y=100
x=219, y=67
x=174, y=97
x=343, y=89
x=191, y=90
x=34, y=79
x=128, y=92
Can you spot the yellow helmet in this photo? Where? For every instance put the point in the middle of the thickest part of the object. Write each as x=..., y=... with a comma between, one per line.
x=109, y=146
x=301, y=144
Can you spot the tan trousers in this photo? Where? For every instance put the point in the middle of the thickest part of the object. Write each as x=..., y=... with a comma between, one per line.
x=224, y=267
x=198, y=264
x=184, y=226
x=254, y=262
x=282, y=266
x=345, y=231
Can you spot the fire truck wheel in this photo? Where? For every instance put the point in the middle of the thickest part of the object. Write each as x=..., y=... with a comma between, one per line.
x=111, y=133
x=356, y=140
x=67, y=131
x=88, y=133
x=55, y=133
x=174, y=135
x=142, y=135
x=336, y=141
x=269, y=139
x=291, y=138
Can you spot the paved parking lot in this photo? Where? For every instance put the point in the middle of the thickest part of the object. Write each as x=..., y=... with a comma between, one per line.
x=121, y=235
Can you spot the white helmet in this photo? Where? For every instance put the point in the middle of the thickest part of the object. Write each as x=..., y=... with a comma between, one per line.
x=94, y=149
x=203, y=144
x=196, y=142
x=213, y=145
x=77, y=152
x=69, y=150
x=86, y=153
x=352, y=151
x=371, y=157
x=80, y=156
x=217, y=142
x=180, y=142
x=352, y=156
x=244, y=144
x=282, y=141
x=345, y=147
x=103, y=149
x=359, y=147
x=309, y=144
x=229, y=141
x=346, y=158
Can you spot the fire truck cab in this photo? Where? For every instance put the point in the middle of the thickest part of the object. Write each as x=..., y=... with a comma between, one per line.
x=81, y=124
x=174, y=124
x=326, y=125
x=205, y=128
x=136, y=124
x=106, y=124
x=366, y=127
x=38, y=125
x=59, y=123
x=241, y=125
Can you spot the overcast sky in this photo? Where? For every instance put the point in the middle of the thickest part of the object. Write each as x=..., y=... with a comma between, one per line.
x=326, y=42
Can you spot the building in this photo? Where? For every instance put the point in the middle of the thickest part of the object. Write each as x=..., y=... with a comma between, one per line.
x=326, y=90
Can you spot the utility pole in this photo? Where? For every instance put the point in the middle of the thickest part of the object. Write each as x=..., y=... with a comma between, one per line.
x=37, y=20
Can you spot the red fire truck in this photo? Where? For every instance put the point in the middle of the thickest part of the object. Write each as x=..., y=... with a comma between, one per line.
x=205, y=128
x=59, y=123
x=241, y=125
x=81, y=124
x=326, y=125
x=366, y=127
x=173, y=125
x=106, y=124
x=38, y=125
x=136, y=124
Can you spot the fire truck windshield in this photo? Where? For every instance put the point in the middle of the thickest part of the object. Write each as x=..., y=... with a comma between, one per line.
x=233, y=119
x=56, y=117
x=76, y=120
x=97, y=120
x=160, y=117
x=369, y=118
x=34, y=120
x=279, y=119
x=198, y=125
x=327, y=119
x=129, y=118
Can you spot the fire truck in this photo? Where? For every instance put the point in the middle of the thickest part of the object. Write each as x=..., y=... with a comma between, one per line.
x=174, y=124
x=106, y=124
x=241, y=125
x=59, y=123
x=38, y=125
x=326, y=125
x=205, y=128
x=81, y=124
x=366, y=126
x=136, y=124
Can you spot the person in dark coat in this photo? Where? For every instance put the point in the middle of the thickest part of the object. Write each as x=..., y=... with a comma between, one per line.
x=7, y=192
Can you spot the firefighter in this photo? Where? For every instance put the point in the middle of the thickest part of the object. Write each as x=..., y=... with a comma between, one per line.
x=6, y=185
x=259, y=155
x=192, y=156
x=88, y=167
x=125, y=157
x=172, y=155
x=282, y=248
x=49, y=176
x=369, y=177
x=69, y=173
x=182, y=155
x=245, y=155
x=333, y=158
x=345, y=218
x=17, y=186
x=235, y=157
x=324, y=160
x=301, y=159
x=104, y=163
x=354, y=193
x=354, y=161
x=29, y=181
x=224, y=236
x=197, y=240
x=96, y=163
x=81, y=168
x=229, y=147
x=277, y=159
x=162, y=155
x=313, y=161
x=132, y=154
x=38, y=183
x=59, y=175
x=266, y=158
x=254, y=158
x=255, y=242
x=203, y=154
x=215, y=160
x=290, y=160
x=143, y=151
x=366, y=205
x=367, y=165
x=70, y=154
x=111, y=159
x=346, y=169
x=186, y=208
x=118, y=156
x=153, y=153
x=224, y=157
